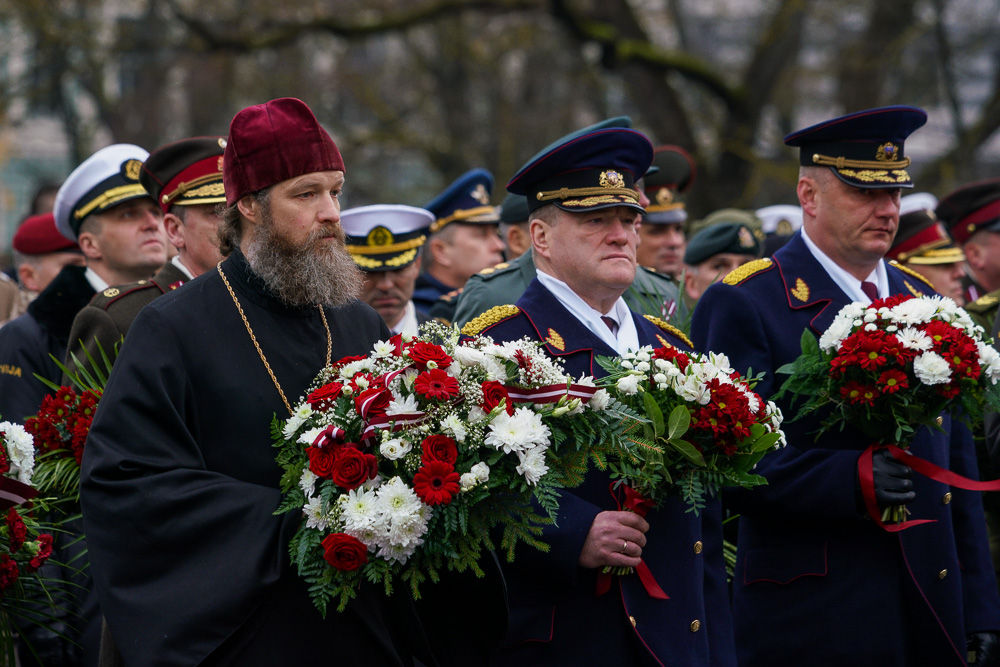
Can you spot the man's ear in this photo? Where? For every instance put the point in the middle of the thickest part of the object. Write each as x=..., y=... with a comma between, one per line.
x=249, y=208
x=172, y=225
x=540, y=237
x=90, y=244
x=808, y=192
x=26, y=276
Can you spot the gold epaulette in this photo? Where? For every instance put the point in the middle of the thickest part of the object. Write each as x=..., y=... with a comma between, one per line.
x=670, y=329
x=983, y=304
x=741, y=273
x=495, y=314
x=907, y=270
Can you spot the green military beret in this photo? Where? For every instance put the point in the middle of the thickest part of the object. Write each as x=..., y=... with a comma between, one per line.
x=732, y=238
x=728, y=216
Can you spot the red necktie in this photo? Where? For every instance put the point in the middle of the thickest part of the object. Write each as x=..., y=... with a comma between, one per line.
x=870, y=290
x=610, y=322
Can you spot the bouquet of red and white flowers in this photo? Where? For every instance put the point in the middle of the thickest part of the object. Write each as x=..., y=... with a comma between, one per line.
x=890, y=367
x=402, y=461
x=704, y=427
x=60, y=430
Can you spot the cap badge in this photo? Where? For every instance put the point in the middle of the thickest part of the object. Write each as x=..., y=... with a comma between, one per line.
x=612, y=179
x=745, y=238
x=664, y=196
x=481, y=195
x=887, y=152
x=379, y=236
x=784, y=228
x=222, y=143
x=131, y=169
x=801, y=290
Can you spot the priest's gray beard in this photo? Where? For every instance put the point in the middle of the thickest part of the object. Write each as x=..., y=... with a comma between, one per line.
x=303, y=275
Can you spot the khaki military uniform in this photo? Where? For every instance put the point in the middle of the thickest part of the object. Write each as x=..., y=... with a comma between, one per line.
x=984, y=310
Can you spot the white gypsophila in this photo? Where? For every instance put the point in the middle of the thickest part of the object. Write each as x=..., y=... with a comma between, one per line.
x=20, y=450
x=454, y=426
x=315, y=516
x=383, y=349
x=600, y=400
x=307, y=482
x=914, y=311
x=467, y=480
x=294, y=423
x=522, y=430
x=629, y=384
x=481, y=471
x=914, y=339
x=359, y=509
x=694, y=390
x=989, y=360
x=402, y=405
x=931, y=368
x=395, y=449
x=476, y=414
x=309, y=436
x=532, y=466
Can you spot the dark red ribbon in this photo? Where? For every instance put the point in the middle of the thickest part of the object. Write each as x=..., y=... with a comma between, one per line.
x=634, y=502
x=925, y=468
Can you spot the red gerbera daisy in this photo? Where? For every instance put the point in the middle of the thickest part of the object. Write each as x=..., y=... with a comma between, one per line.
x=436, y=383
x=436, y=482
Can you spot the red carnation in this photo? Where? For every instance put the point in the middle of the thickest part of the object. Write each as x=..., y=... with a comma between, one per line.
x=422, y=353
x=493, y=393
x=16, y=530
x=673, y=355
x=322, y=399
x=438, y=448
x=44, y=542
x=436, y=383
x=8, y=572
x=352, y=468
x=436, y=482
x=344, y=552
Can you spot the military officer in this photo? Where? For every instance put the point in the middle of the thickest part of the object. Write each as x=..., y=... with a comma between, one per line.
x=972, y=216
x=712, y=253
x=923, y=245
x=464, y=237
x=185, y=179
x=661, y=234
x=385, y=241
x=817, y=582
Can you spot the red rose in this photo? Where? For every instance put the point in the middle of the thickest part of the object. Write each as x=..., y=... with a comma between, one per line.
x=422, y=352
x=321, y=460
x=436, y=482
x=343, y=361
x=436, y=383
x=493, y=393
x=372, y=402
x=344, y=552
x=438, y=448
x=322, y=399
x=352, y=468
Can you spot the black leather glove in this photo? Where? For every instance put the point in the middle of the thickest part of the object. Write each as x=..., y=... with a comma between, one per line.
x=984, y=649
x=893, y=480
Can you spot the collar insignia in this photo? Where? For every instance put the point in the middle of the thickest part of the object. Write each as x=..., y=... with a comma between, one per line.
x=555, y=340
x=801, y=290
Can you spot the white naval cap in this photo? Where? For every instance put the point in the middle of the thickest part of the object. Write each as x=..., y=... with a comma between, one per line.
x=781, y=219
x=385, y=237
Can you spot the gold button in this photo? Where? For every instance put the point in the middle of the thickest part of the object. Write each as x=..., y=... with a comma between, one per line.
x=632, y=620
x=942, y=574
x=142, y=282
x=946, y=498
x=939, y=420
x=695, y=626
x=698, y=546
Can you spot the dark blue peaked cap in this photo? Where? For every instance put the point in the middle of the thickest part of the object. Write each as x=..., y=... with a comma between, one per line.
x=466, y=200
x=863, y=149
x=586, y=171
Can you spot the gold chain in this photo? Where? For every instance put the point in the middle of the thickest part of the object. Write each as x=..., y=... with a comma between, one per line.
x=274, y=379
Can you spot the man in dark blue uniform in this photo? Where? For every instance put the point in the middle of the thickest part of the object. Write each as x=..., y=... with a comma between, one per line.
x=817, y=582
x=584, y=208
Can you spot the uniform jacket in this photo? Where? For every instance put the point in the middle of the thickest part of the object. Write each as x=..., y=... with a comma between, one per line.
x=651, y=293
x=13, y=300
x=984, y=309
x=427, y=291
x=28, y=343
x=555, y=616
x=104, y=321
x=817, y=583
x=179, y=485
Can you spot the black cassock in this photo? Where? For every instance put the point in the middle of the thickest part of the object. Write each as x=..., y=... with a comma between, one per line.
x=179, y=486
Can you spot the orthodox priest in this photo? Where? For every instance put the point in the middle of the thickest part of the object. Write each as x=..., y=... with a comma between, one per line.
x=179, y=482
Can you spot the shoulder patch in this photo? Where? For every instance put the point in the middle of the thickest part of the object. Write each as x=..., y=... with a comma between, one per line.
x=910, y=272
x=495, y=314
x=671, y=329
x=741, y=273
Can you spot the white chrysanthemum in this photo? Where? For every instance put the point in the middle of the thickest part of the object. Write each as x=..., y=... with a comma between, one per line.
x=851, y=311
x=469, y=356
x=532, y=466
x=752, y=401
x=914, y=339
x=454, y=426
x=294, y=423
x=600, y=400
x=315, y=516
x=481, y=471
x=309, y=436
x=693, y=389
x=394, y=449
x=931, y=368
x=395, y=497
x=467, y=480
x=660, y=378
x=644, y=354
x=359, y=509
x=362, y=382
x=408, y=530
x=403, y=405
x=871, y=327
x=348, y=371
x=383, y=349
x=374, y=537
x=835, y=334
x=989, y=360
x=626, y=364
x=914, y=311
x=396, y=554
x=20, y=450
x=870, y=316
x=522, y=430
x=629, y=384
x=307, y=482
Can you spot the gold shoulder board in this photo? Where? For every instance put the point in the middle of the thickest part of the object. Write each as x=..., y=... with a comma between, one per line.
x=669, y=328
x=907, y=270
x=741, y=273
x=495, y=314
x=983, y=304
